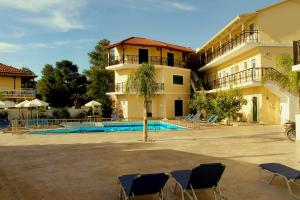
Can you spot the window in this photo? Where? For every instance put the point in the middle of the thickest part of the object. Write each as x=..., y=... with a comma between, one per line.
x=177, y=80
x=251, y=27
x=112, y=54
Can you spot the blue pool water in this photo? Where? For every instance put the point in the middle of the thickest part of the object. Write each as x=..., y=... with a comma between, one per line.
x=116, y=127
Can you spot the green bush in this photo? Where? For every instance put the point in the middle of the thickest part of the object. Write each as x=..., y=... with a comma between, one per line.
x=226, y=103
x=3, y=115
x=61, y=113
x=81, y=115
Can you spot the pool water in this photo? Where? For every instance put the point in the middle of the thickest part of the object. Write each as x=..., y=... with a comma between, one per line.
x=116, y=127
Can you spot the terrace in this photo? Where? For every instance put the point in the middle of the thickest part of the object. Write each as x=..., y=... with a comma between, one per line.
x=155, y=60
x=18, y=93
x=239, y=79
x=86, y=166
x=243, y=38
x=121, y=88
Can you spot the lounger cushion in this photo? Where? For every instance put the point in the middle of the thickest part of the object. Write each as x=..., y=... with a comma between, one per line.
x=182, y=177
x=143, y=184
x=289, y=173
x=126, y=182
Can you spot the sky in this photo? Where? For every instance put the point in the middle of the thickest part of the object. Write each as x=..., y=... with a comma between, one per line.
x=38, y=32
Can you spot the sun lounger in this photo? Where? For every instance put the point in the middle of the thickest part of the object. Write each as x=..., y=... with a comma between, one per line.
x=205, y=176
x=184, y=117
x=211, y=121
x=142, y=184
x=290, y=175
x=208, y=119
x=194, y=118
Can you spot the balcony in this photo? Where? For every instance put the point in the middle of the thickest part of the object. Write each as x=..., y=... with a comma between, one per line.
x=239, y=79
x=121, y=88
x=155, y=60
x=243, y=38
x=17, y=93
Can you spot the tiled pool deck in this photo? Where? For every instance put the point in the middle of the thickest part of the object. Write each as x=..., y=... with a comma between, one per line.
x=85, y=166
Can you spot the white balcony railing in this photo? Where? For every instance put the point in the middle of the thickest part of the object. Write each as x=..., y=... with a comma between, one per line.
x=17, y=93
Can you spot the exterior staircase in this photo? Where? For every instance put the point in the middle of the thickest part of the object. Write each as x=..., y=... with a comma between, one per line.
x=195, y=81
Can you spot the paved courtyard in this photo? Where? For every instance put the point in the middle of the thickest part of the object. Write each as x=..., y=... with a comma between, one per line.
x=86, y=166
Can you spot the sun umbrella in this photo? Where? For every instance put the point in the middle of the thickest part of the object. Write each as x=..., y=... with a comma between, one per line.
x=92, y=104
x=22, y=104
x=2, y=104
x=36, y=103
x=9, y=104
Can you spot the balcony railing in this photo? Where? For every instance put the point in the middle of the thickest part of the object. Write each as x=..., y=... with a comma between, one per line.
x=155, y=60
x=11, y=93
x=121, y=87
x=239, y=78
x=243, y=37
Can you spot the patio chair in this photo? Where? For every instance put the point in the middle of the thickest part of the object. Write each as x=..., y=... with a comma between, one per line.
x=209, y=118
x=205, y=176
x=290, y=175
x=184, y=117
x=142, y=184
x=194, y=118
x=211, y=121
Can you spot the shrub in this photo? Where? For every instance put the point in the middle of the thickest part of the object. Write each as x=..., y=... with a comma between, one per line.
x=61, y=113
x=82, y=114
x=227, y=103
x=199, y=102
x=107, y=108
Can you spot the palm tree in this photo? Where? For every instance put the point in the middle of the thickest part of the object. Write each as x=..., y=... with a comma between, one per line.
x=143, y=82
x=284, y=76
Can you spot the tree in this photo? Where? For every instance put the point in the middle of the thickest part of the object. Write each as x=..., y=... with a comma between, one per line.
x=98, y=83
x=227, y=103
x=61, y=84
x=143, y=82
x=99, y=79
x=98, y=57
x=199, y=102
x=284, y=76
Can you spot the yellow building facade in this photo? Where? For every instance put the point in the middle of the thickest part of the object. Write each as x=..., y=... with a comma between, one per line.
x=171, y=72
x=16, y=84
x=239, y=55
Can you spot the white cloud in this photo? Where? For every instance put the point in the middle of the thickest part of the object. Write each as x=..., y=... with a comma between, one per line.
x=157, y=4
x=61, y=15
x=181, y=6
x=9, y=47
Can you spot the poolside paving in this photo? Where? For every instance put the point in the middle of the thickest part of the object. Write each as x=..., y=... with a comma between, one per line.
x=86, y=166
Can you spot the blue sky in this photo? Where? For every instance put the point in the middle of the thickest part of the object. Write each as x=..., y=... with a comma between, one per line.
x=36, y=32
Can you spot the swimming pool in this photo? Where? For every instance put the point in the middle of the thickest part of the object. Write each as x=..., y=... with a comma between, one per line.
x=116, y=127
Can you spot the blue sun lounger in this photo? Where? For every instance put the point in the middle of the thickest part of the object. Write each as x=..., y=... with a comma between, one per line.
x=290, y=175
x=142, y=184
x=205, y=176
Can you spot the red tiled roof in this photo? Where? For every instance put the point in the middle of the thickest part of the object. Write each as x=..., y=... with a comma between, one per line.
x=6, y=70
x=149, y=42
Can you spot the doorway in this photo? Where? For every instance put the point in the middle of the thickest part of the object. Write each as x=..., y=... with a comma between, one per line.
x=178, y=108
x=254, y=104
x=170, y=59
x=143, y=56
